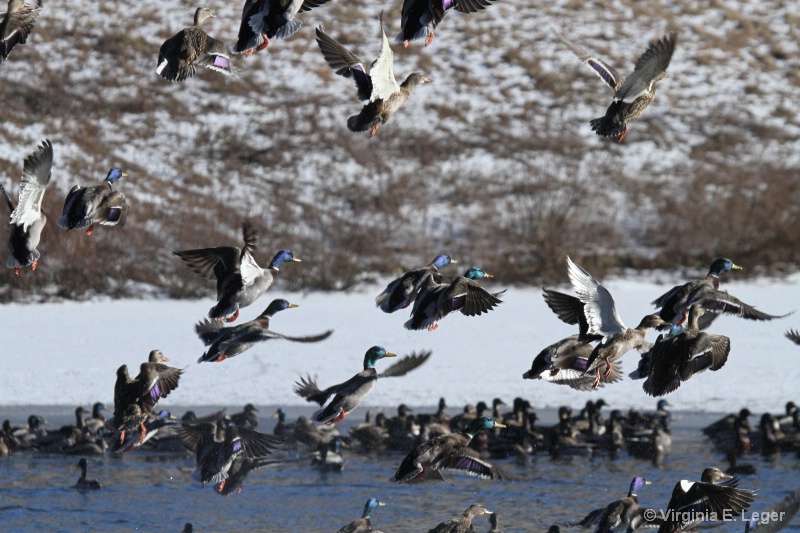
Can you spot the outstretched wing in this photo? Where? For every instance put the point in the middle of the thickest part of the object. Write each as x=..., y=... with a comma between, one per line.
x=204, y=260
x=345, y=63
x=599, y=308
x=470, y=6
x=405, y=365
x=651, y=65
x=606, y=72
x=722, y=302
x=35, y=177
x=382, y=72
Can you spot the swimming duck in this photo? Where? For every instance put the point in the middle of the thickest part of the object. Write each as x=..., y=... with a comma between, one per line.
x=633, y=94
x=363, y=524
x=463, y=523
x=622, y=515
x=704, y=499
x=328, y=456
x=247, y=418
x=793, y=336
x=83, y=483
x=348, y=395
x=603, y=319
x=449, y=452
x=678, y=358
x=217, y=445
x=27, y=220
x=675, y=303
x=97, y=204
x=240, y=281
x=226, y=342
x=263, y=20
x=135, y=398
x=401, y=292
x=375, y=83
x=16, y=25
x=437, y=300
x=420, y=17
x=192, y=47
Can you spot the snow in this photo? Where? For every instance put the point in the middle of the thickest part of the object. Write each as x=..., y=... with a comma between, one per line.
x=67, y=353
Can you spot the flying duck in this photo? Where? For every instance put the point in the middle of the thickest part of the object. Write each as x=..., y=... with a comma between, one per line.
x=16, y=25
x=97, y=204
x=401, y=292
x=263, y=20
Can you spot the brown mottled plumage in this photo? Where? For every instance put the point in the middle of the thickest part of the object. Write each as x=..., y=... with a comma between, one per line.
x=192, y=47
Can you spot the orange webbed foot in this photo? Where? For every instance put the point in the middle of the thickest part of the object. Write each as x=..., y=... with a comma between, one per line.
x=433, y=327
x=429, y=40
x=221, y=358
x=374, y=130
x=16, y=271
x=90, y=230
x=596, y=378
x=624, y=133
x=264, y=44
x=233, y=317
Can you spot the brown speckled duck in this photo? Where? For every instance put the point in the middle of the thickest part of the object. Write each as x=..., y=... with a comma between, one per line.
x=16, y=25
x=375, y=83
x=633, y=94
x=191, y=47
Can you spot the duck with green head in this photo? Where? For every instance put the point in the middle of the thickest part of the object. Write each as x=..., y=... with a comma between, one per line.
x=449, y=452
x=363, y=524
x=349, y=395
x=97, y=204
x=226, y=342
x=674, y=304
x=437, y=300
x=401, y=292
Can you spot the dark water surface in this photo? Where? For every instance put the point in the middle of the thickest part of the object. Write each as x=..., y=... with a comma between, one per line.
x=150, y=491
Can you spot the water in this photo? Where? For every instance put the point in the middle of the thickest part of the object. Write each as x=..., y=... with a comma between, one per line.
x=151, y=491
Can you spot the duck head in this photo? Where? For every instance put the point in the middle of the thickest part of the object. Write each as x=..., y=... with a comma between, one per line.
x=482, y=423
x=114, y=174
x=375, y=353
x=371, y=504
x=282, y=257
x=157, y=357
x=637, y=483
x=475, y=509
x=442, y=260
x=201, y=15
x=721, y=265
x=280, y=414
x=477, y=273
x=711, y=475
x=276, y=306
x=650, y=321
x=415, y=78
x=662, y=405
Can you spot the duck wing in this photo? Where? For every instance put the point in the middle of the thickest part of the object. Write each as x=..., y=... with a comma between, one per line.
x=155, y=381
x=381, y=72
x=652, y=64
x=405, y=365
x=466, y=460
x=258, y=444
x=718, y=301
x=35, y=177
x=209, y=331
x=308, y=5
x=470, y=6
x=469, y=297
x=307, y=388
x=793, y=335
x=569, y=309
x=599, y=307
x=212, y=262
x=703, y=499
x=606, y=72
x=192, y=435
x=345, y=63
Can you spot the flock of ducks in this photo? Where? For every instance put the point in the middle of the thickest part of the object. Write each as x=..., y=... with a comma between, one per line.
x=228, y=448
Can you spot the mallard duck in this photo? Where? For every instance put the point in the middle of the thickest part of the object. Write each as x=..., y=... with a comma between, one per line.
x=401, y=292
x=216, y=447
x=134, y=399
x=463, y=523
x=351, y=393
x=603, y=319
x=633, y=94
x=678, y=358
x=375, y=83
x=227, y=342
x=449, y=452
x=83, y=483
x=793, y=336
x=240, y=281
x=191, y=47
x=420, y=17
x=621, y=515
x=704, y=500
x=247, y=418
x=97, y=420
x=240, y=468
x=143, y=433
x=97, y=204
x=16, y=25
x=437, y=300
x=263, y=20
x=27, y=220
x=363, y=524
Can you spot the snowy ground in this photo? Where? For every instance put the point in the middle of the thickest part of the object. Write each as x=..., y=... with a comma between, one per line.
x=67, y=353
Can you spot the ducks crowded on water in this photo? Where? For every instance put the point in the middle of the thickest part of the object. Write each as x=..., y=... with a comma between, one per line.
x=227, y=342
x=16, y=25
x=463, y=523
x=401, y=292
x=191, y=47
x=693, y=502
x=97, y=204
x=363, y=524
x=420, y=17
x=263, y=20
x=27, y=220
x=83, y=483
x=349, y=395
x=449, y=452
x=437, y=300
x=622, y=515
x=375, y=83
x=603, y=319
x=135, y=398
x=240, y=281
x=676, y=359
x=633, y=94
